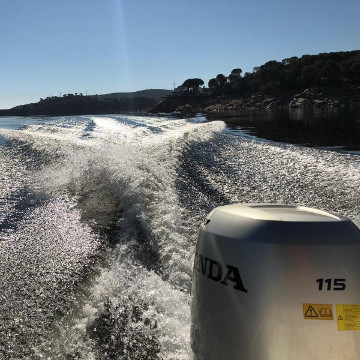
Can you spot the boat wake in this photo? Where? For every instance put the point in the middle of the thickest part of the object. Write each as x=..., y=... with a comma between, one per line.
x=99, y=218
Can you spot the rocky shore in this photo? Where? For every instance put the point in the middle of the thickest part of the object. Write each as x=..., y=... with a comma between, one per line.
x=190, y=105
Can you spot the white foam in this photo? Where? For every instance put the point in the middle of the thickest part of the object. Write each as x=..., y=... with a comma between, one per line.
x=130, y=170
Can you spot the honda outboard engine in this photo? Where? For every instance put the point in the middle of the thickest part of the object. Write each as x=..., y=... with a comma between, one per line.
x=275, y=282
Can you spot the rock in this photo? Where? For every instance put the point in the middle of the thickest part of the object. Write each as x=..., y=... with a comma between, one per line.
x=319, y=103
x=271, y=105
x=294, y=104
x=187, y=110
x=184, y=108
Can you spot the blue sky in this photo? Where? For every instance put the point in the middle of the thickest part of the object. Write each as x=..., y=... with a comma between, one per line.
x=102, y=46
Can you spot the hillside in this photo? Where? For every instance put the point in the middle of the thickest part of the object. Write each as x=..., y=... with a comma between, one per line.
x=149, y=93
x=326, y=79
x=78, y=104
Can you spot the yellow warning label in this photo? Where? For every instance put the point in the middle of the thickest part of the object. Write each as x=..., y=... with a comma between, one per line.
x=318, y=311
x=348, y=317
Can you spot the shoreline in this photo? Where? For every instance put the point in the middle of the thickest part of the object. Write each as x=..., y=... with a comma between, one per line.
x=190, y=105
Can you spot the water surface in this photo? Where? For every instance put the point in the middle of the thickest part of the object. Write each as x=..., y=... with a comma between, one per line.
x=99, y=218
x=329, y=128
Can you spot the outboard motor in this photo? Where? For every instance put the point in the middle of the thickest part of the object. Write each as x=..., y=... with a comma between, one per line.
x=275, y=282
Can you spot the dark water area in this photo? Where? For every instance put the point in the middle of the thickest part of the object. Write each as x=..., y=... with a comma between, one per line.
x=332, y=129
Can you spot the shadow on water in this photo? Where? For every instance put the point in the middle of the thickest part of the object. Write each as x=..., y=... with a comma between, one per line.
x=333, y=129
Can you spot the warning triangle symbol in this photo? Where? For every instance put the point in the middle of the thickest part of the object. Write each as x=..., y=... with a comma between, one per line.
x=311, y=313
x=340, y=317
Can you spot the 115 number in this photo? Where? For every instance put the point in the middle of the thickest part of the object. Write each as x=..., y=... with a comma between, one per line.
x=331, y=284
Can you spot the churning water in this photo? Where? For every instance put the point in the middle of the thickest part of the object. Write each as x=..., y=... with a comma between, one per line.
x=99, y=218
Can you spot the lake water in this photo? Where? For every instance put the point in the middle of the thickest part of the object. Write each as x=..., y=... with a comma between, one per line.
x=331, y=128
x=13, y=122
x=99, y=218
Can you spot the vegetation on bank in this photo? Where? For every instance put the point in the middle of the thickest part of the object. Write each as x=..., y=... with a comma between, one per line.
x=326, y=79
x=327, y=70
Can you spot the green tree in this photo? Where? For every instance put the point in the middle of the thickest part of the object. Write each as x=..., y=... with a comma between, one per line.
x=192, y=85
x=235, y=80
x=235, y=75
x=219, y=84
x=309, y=74
x=213, y=85
x=346, y=69
x=330, y=73
x=355, y=68
x=222, y=80
x=330, y=69
x=290, y=61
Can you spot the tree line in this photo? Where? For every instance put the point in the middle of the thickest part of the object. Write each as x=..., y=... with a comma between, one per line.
x=325, y=70
x=74, y=104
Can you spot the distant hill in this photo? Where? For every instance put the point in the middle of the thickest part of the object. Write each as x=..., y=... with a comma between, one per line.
x=149, y=93
x=77, y=104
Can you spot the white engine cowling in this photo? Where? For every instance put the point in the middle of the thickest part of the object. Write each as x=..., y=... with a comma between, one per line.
x=276, y=282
